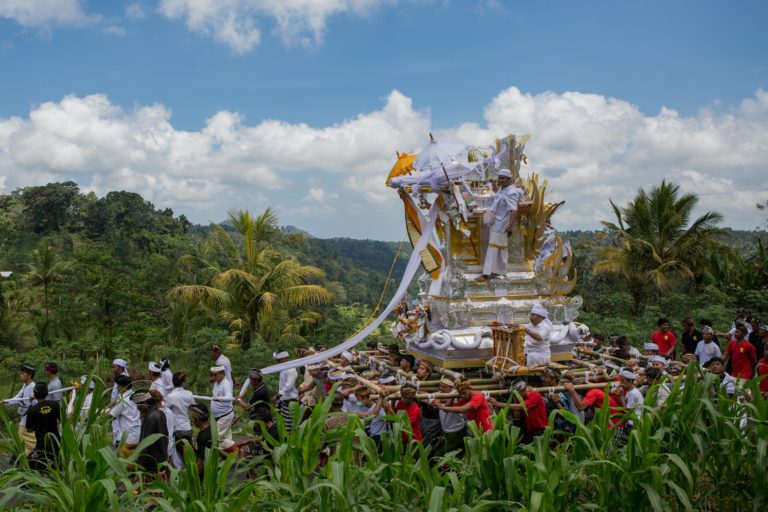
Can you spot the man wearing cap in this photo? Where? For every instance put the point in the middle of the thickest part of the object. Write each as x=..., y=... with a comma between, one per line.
x=126, y=421
x=23, y=400
x=345, y=361
x=222, y=360
x=156, y=373
x=222, y=409
x=537, y=333
x=707, y=348
x=119, y=367
x=54, y=384
x=286, y=389
x=651, y=349
x=502, y=215
x=86, y=400
x=43, y=420
x=632, y=398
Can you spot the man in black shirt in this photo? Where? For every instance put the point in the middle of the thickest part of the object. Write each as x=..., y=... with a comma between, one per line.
x=200, y=419
x=757, y=336
x=43, y=419
x=153, y=421
x=261, y=397
x=691, y=337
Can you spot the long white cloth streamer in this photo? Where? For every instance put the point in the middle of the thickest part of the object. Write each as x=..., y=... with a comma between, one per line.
x=410, y=271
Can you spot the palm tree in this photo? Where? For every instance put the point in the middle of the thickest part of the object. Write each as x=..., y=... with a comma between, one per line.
x=655, y=245
x=45, y=270
x=257, y=288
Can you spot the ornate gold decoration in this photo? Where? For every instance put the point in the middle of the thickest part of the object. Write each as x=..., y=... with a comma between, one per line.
x=557, y=268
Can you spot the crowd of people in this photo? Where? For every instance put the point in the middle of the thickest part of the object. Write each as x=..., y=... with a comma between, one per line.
x=377, y=384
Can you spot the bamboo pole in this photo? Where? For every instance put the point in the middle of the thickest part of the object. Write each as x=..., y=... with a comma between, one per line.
x=502, y=392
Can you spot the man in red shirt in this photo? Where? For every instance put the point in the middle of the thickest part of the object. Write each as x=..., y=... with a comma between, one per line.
x=534, y=408
x=664, y=338
x=408, y=404
x=474, y=405
x=594, y=399
x=742, y=354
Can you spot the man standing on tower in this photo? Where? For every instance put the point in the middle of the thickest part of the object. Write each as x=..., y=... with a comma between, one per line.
x=501, y=215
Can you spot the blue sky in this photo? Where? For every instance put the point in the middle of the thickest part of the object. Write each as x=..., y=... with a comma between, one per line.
x=671, y=86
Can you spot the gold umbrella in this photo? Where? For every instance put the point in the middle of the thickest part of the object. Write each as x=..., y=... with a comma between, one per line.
x=404, y=165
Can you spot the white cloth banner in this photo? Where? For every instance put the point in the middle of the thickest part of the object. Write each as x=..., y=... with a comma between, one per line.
x=410, y=271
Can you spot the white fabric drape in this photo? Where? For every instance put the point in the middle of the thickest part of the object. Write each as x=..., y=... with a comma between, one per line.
x=410, y=271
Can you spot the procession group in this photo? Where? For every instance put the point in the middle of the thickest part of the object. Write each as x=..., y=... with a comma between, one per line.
x=379, y=392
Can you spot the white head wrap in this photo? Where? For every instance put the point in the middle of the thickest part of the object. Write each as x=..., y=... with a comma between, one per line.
x=538, y=309
x=658, y=359
x=348, y=356
x=217, y=369
x=85, y=378
x=120, y=362
x=281, y=355
x=627, y=374
x=651, y=346
x=505, y=173
x=154, y=368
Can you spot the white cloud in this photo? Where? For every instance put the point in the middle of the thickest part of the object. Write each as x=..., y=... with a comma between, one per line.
x=329, y=179
x=237, y=22
x=135, y=12
x=45, y=13
x=115, y=30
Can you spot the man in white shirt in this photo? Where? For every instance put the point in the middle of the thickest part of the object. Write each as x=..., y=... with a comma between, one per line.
x=453, y=424
x=222, y=408
x=633, y=398
x=119, y=367
x=537, y=334
x=23, y=400
x=126, y=420
x=707, y=348
x=86, y=400
x=158, y=383
x=502, y=215
x=54, y=383
x=177, y=402
x=286, y=389
x=222, y=360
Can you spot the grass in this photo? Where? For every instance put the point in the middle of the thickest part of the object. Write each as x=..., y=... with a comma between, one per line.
x=696, y=453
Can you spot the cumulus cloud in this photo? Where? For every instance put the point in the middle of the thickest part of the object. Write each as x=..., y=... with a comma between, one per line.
x=600, y=148
x=237, y=23
x=45, y=13
x=329, y=179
